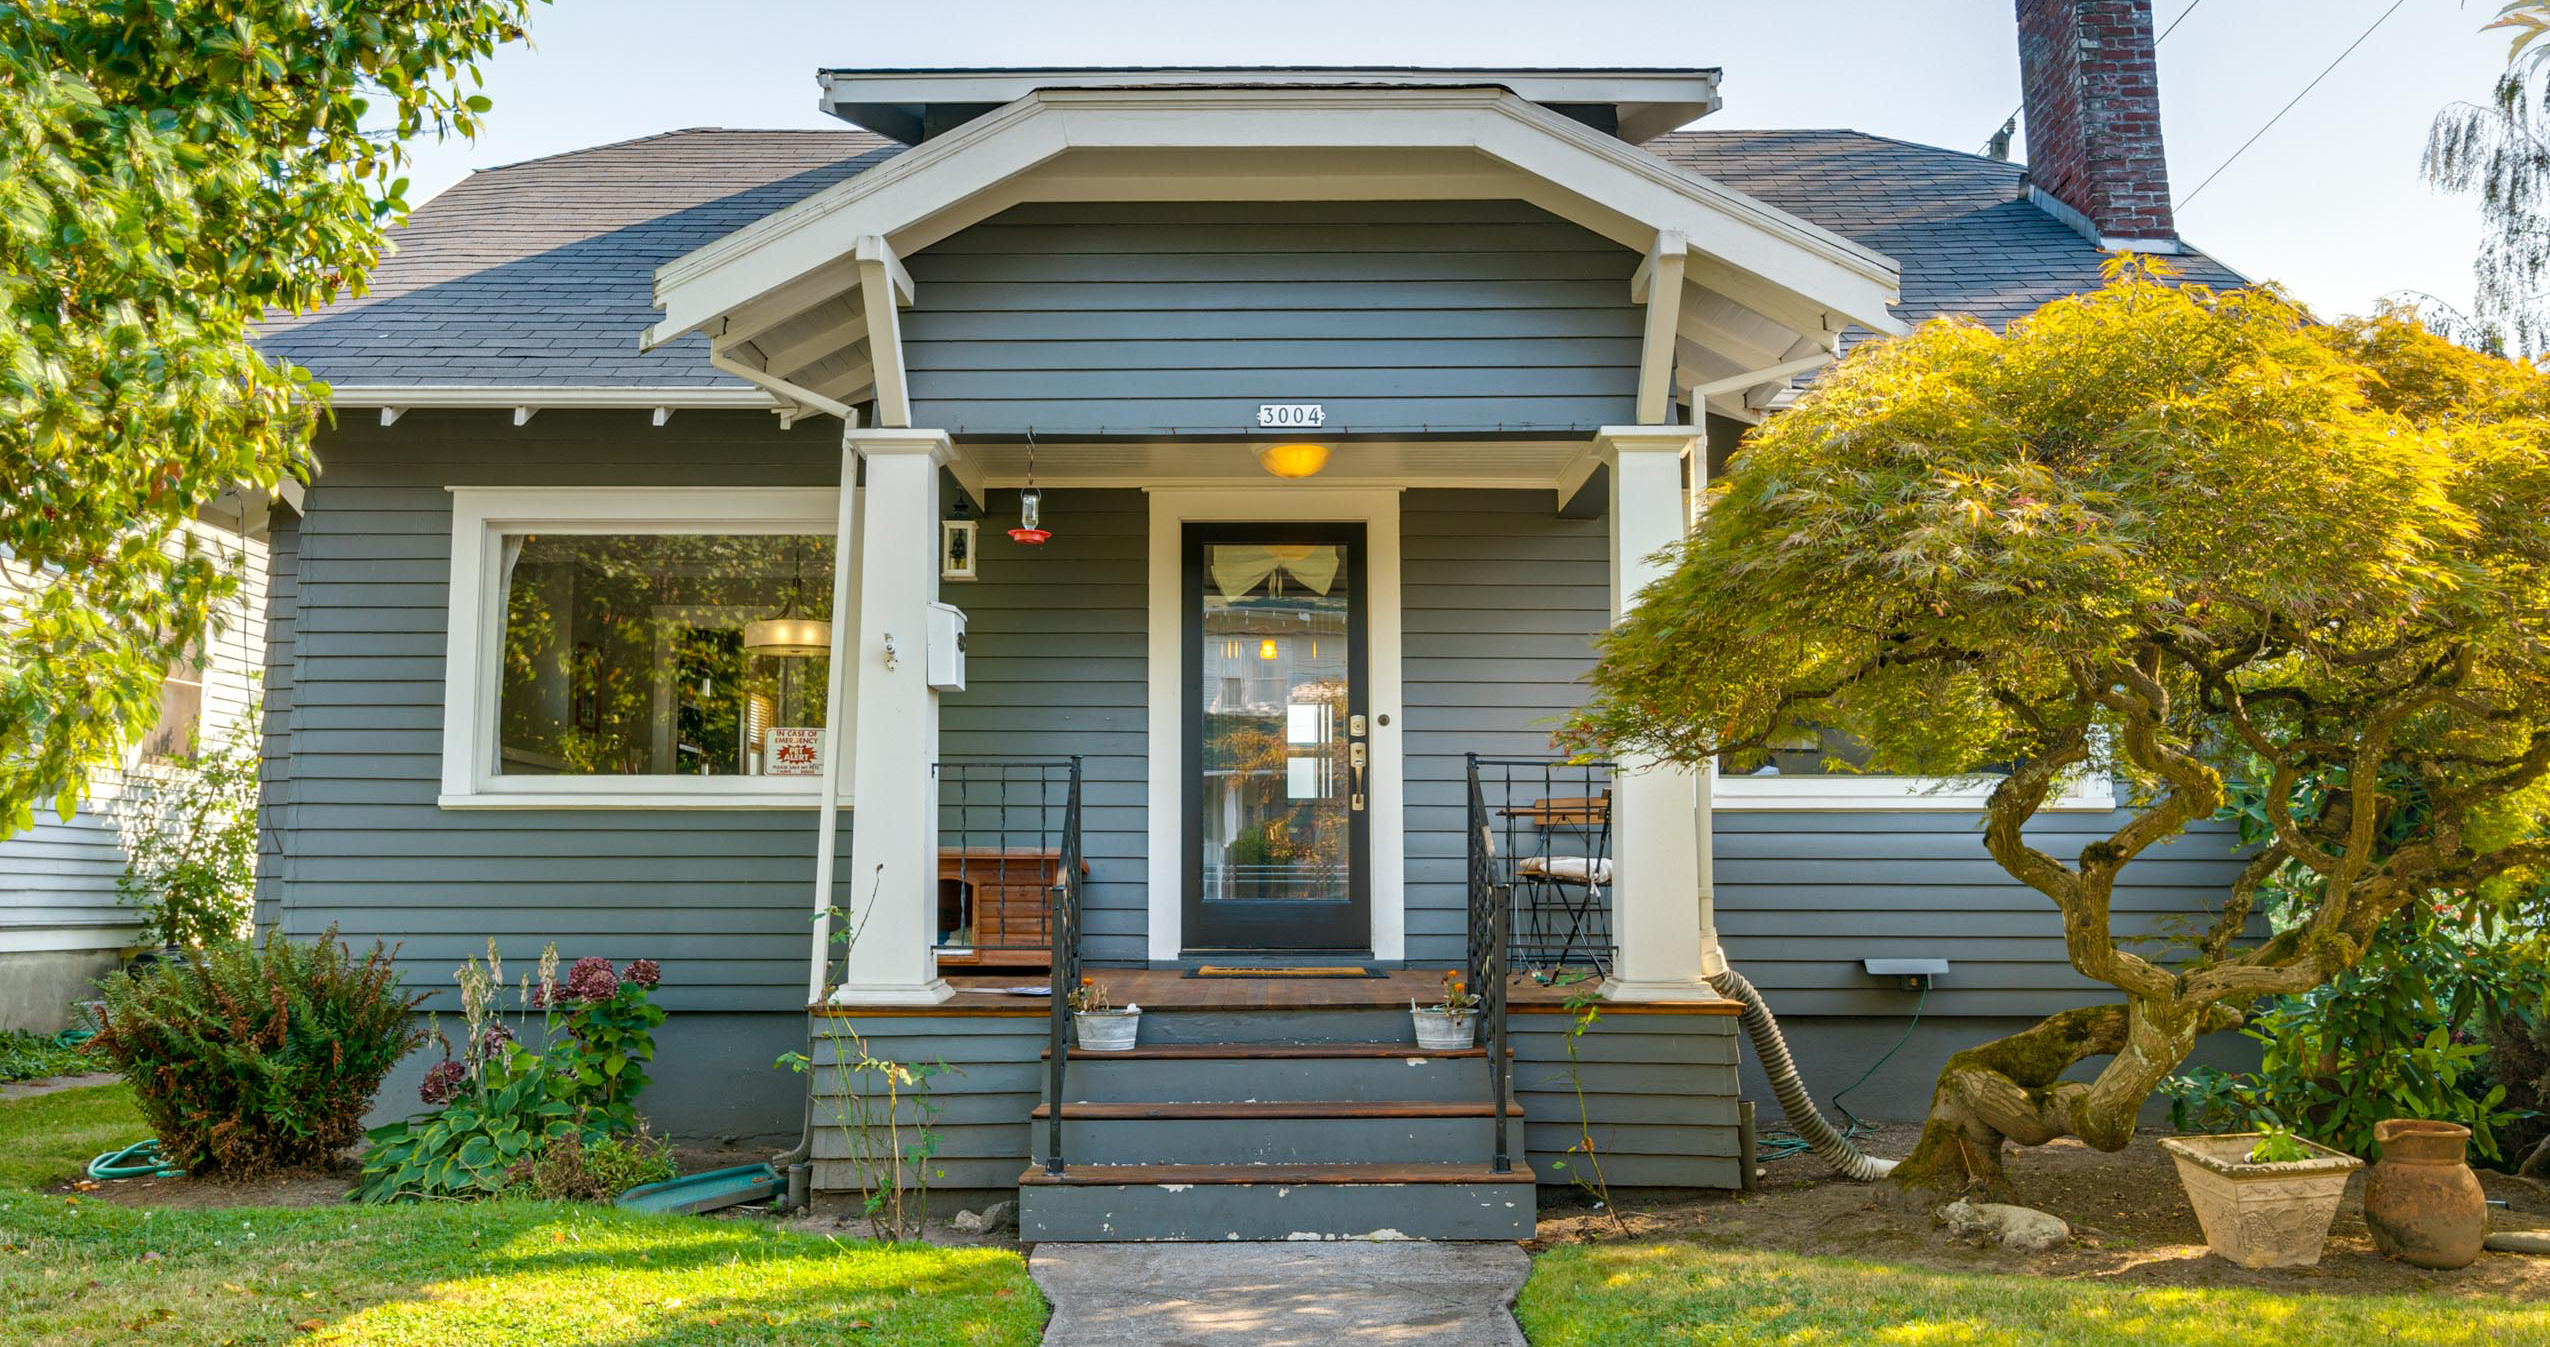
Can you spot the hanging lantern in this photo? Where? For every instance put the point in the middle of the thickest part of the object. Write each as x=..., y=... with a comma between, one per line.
x=788, y=635
x=785, y=636
x=1293, y=460
x=1031, y=504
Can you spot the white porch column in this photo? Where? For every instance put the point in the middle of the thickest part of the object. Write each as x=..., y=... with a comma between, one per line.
x=1657, y=871
x=889, y=895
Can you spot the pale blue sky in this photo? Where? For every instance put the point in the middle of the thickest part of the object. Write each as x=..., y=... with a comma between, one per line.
x=2329, y=203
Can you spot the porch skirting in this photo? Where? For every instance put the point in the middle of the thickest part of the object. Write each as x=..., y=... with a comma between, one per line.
x=1659, y=1089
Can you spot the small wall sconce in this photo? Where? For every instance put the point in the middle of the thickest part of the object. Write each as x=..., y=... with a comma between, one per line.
x=956, y=548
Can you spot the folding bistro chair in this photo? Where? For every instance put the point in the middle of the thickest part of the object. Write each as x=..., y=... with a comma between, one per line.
x=1560, y=894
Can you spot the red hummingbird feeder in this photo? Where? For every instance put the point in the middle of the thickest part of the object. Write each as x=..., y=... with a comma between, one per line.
x=1030, y=531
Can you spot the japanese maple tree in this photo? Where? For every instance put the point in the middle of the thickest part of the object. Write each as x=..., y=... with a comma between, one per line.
x=2165, y=533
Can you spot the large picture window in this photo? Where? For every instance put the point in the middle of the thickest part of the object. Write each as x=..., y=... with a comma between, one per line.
x=639, y=647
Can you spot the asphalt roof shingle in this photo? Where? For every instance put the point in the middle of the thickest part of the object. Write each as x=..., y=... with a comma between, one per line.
x=539, y=274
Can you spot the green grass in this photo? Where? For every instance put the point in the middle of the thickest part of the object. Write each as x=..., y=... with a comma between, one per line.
x=486, y=1274
x=50, y=1137
x=1646, y=1294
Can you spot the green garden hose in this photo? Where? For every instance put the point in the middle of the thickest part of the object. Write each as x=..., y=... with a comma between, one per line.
x=137, y=1161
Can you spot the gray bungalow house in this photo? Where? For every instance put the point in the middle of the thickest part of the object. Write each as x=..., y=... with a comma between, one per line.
x=1141, y=524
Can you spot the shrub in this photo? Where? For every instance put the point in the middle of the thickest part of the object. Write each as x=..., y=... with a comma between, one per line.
x=190, y=839
x=247, y=1059
x=568, y=1168
x=502, y=1104
x=27, y=1056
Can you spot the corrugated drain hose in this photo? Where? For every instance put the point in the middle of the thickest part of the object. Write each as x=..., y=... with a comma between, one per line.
x=1795, y=1102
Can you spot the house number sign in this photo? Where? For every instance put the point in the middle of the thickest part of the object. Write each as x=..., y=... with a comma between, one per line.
x=1290, y=415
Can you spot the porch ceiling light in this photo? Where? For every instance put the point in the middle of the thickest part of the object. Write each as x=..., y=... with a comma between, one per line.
x=1293, y=460
x=781, y=636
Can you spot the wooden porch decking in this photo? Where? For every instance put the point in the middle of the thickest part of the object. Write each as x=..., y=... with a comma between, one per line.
x=1171, y=989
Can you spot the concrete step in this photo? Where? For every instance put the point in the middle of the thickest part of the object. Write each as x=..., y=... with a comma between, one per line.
x=1244, y=1071
x=1279, y=1132
x=1275, y=1202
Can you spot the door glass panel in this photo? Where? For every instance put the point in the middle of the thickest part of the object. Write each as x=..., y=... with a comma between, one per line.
x=1275, y=819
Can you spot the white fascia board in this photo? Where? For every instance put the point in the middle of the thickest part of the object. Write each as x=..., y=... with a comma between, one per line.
x=927, y=193
x=1826, y=792
x=405, y=398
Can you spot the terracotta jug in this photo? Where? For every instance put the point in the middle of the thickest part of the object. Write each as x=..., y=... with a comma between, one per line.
x=2421, y=1201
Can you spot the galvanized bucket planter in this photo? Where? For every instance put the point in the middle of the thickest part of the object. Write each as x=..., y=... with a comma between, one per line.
x=1107, y=1030
x=2261, y=1216
x=1440, y=1029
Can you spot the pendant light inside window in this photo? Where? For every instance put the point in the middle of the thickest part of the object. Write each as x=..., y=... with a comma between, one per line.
x=1031, y=502
x=788, y=635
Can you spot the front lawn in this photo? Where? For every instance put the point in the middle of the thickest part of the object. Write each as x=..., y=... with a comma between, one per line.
x=1642, y=1294
x=76, y=1270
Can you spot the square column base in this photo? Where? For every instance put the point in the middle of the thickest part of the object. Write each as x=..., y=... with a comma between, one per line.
x=928, y=993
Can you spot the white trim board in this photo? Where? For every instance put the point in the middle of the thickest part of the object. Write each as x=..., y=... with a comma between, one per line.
x=1377, y=509
x=480, y=516
x=1845, y=791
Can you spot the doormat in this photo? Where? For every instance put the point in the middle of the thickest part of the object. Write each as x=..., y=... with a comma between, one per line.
x=1211, y=970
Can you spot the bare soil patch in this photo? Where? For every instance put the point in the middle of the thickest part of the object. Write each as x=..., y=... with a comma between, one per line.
x=2130, y=1221
x=316, y=1186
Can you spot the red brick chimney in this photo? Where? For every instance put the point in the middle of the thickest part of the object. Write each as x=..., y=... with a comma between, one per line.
x=2091, y=92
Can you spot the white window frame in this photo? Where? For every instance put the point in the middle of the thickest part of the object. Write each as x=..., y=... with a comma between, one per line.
x=2088, y=792
x=481, y=517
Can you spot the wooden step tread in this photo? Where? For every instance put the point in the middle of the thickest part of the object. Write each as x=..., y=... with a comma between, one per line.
x=1203, y=1052
x=1282, y=1108
x=1113, y=1175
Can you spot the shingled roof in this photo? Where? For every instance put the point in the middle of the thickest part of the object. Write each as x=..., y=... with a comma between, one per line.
x=539, y=274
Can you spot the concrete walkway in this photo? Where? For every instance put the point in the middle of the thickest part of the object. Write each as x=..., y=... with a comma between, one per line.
x=28, y=1089
x=1281, y=1295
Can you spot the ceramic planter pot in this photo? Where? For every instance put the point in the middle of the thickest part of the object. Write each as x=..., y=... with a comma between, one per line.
x=2421, y=1201
x=1444, y=1029
x=2261, y=1216
x=1106, y=1030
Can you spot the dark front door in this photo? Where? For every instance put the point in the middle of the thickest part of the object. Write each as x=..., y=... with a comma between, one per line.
x=1278, y=838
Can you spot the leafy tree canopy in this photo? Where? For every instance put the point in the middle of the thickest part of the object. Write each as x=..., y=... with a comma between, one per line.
x=170, y=171
x=2159, y=530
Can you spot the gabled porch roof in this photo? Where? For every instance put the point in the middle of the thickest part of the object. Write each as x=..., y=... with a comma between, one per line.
x=1740, y=297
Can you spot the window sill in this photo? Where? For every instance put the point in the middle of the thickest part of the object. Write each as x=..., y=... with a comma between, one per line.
x=688, y=799
x=1835, y=792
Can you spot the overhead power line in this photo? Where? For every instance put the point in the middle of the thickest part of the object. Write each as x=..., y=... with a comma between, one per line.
x=2190, y=199
x=1999, y=145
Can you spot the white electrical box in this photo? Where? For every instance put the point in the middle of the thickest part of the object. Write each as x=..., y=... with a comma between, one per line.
x=945, y=659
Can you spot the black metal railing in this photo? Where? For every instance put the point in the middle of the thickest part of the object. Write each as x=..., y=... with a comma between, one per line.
x=1540, y=872
x=1066, y=972
x=1546, y=825
x=1003, y=828
x=1489, y=949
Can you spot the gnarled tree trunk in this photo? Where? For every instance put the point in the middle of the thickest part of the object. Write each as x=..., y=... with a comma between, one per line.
x=2012, y=1090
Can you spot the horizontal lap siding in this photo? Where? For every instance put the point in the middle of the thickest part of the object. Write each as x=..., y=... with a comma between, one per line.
x=1086, y=319
x=274, y=766
x=1803, y=897
x=1500, y=600
x=977, y=1106
x=59, y=879
x=1655, y=1093
x=1054, y=667
x=718, y=897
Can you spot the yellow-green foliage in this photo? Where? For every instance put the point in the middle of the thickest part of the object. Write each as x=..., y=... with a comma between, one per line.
x=1960, y=542
x=1952, y=522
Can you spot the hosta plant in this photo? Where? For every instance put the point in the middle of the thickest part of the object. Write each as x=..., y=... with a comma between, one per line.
x=501, y=1103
